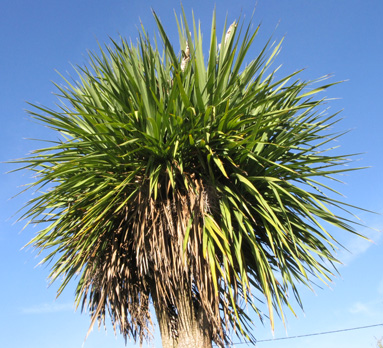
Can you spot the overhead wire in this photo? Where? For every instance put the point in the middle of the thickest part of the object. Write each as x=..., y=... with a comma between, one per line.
x=311, y=334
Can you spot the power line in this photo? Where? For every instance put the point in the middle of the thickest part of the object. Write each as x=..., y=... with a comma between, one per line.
x=313, y=334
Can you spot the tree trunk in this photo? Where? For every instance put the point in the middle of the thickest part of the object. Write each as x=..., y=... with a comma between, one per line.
x=188, y=328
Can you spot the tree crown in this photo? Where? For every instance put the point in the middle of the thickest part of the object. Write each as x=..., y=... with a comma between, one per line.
x=180, y=173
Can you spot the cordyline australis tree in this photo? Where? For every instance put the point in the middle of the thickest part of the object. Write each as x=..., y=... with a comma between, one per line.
x=191, y=183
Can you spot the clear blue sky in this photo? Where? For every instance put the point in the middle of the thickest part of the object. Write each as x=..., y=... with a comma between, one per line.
x=343, y=37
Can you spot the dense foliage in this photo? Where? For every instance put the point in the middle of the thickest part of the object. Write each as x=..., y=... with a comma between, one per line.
x=185, y=175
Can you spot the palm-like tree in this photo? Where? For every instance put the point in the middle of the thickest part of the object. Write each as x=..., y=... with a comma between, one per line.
x=191, y=183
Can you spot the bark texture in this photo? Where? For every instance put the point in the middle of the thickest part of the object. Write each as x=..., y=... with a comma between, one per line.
x=186, y=328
